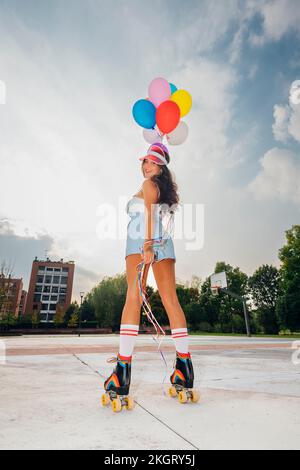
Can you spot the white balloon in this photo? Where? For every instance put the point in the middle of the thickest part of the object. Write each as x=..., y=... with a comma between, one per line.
x=151, y=136
x=179, y=135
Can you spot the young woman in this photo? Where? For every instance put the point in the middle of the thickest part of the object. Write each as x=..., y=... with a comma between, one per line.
x=144, y=233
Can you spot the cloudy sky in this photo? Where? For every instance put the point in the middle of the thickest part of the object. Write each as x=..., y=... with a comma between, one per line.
x=72, y=70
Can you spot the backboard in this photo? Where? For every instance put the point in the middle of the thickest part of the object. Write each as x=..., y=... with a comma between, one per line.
x=218, y=281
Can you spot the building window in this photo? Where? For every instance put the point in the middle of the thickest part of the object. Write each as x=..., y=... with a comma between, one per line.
x=63, y=290
x=64, y=280
x=45, y=297
x=41, y=268
x=44, y=307
x=48, y=279
x=52, y=307
x=62, y=298
x=54, y=290
x=43, y=316
x=37, y=297
x=49, y=269
x=38, y=288
x=40, y=279
x=51, y=317
x=65, y=270
x=46, y=288
x=57, y=270
x=55, y=280
x=54, y=298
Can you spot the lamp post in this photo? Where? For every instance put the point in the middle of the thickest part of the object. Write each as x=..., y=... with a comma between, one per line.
x=81, y=297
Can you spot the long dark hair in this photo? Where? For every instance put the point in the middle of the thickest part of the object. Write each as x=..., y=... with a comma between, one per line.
x=167, y=187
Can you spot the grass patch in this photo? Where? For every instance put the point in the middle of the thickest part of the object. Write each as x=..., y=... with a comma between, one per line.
x=203, y=333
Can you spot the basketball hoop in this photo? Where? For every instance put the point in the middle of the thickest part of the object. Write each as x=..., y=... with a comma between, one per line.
x=218, y=281
x=215, y=290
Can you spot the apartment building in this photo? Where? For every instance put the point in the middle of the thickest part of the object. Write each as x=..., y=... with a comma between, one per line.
x=50, y=288
x=10, y=296
x=22, y=304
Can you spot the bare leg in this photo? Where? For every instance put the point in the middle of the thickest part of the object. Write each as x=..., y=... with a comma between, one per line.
x=132, y=308
x=164, y=273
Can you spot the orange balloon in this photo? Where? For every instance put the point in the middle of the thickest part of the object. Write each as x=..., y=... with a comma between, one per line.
x=167, y=116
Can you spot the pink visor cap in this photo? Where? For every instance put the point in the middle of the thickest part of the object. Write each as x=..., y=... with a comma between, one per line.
x=157, y=153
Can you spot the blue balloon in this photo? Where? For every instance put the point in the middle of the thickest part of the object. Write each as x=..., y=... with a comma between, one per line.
x=144, y=113
x=173, y=88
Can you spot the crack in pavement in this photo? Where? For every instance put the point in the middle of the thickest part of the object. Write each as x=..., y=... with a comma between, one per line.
x=141, y=406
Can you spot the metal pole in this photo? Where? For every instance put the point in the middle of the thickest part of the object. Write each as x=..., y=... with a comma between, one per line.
x=81, y=296
x=236, y=296
x=246, y=318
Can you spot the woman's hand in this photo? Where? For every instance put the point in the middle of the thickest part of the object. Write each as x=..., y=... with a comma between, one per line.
x=148, y=254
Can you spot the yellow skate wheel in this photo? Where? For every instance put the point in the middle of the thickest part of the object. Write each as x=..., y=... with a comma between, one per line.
x=172, y=392
x=129, y=403
x=105, y=399
x=116, y=405
x=195, y=396
x=182, y=396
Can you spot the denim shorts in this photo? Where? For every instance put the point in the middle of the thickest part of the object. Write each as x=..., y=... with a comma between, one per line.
x=163, y=251
x=164, y=247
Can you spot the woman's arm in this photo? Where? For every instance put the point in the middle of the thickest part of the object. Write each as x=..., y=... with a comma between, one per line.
x=150, y=200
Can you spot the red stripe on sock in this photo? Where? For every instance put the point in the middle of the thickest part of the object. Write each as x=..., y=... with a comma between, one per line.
x=128, y=329
x=179, y=336
x=184, y=355
x=127, y=334
x=124, y=358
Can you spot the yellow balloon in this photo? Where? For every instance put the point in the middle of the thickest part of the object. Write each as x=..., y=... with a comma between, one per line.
x=184, y=101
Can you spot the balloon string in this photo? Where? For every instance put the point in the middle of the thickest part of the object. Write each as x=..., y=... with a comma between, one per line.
x=146, y=307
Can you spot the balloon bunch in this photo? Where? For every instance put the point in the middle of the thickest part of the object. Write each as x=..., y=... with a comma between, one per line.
x=160, y=114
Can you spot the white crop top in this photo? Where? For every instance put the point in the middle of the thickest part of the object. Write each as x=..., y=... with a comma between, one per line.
x=135, y=208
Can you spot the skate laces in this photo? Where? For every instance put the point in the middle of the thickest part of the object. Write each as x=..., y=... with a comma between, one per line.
x=112, y=359
x=116, y=359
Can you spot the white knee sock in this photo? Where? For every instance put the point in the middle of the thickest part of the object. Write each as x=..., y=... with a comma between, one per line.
x=181, y=340
x=128, y=334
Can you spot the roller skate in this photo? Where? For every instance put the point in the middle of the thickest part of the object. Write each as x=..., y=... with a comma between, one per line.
x=117, y=385
x=182, y=379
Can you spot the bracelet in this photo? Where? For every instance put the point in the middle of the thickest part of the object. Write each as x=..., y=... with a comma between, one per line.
x=150, y=242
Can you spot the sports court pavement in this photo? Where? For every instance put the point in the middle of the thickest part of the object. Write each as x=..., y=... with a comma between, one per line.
x=51, y=387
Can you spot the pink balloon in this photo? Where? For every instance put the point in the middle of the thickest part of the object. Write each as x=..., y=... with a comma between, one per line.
x=159, y=91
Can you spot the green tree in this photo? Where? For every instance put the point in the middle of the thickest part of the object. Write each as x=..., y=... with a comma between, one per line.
x=88, y=309
x=288, y=305
x=35, y=318
x=264, y=285
x=59, y=316
x=73, y=308
x=108, y=299
x=73, y=322
x=6, y=272
x=157, y=308
x=223, y=307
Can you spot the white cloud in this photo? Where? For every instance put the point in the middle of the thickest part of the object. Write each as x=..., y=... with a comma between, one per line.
x=204, y=25
x=212, y=87
x=244, y=14
x=64, y=127
x=279, y=177
x=279, y=18
x=67, y=123
x=281, y=116
x=287, y=118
